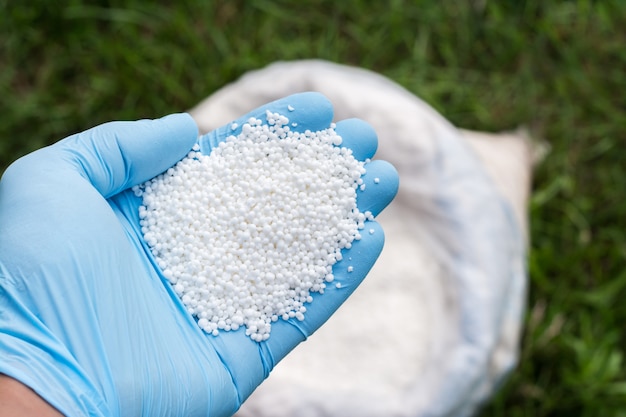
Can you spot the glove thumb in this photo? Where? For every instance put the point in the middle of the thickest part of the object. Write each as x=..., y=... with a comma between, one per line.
x=118, y=155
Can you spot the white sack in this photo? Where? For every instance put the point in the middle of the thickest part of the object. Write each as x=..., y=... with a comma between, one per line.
x=435, y=327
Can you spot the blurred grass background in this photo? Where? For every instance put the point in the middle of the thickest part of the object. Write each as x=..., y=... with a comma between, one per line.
x=558, y=67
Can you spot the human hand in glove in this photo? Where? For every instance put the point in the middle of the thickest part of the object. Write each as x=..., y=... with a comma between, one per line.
x=88, y=321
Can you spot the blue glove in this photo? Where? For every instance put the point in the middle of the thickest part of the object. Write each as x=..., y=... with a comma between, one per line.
x=88, y=321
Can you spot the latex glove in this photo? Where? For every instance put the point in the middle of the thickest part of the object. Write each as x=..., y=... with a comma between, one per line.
x=88, y=321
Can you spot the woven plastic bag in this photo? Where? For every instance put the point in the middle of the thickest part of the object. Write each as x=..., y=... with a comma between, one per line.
x=435, y=327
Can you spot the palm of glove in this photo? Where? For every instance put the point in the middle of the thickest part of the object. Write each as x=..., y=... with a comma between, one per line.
x=83, y=303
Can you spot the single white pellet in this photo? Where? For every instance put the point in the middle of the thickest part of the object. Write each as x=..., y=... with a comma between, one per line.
x=376, y=180
x=248, y=232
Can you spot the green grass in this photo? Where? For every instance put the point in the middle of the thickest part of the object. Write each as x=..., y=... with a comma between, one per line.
x=558, y=67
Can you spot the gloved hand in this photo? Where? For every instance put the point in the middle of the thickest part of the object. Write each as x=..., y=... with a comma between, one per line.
x=87, y=319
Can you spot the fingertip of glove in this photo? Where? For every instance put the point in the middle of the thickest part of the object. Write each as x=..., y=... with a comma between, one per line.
x=162, y=141
x=363, y=253
x=160, y=144
x=310, y=110
x=380, y=186
x=183, y=124
x=359, y=136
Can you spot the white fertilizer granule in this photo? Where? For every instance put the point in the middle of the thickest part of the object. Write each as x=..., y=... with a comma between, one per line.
x=248, y=232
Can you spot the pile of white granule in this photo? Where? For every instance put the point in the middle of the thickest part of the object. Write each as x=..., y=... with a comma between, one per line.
x=246, y=233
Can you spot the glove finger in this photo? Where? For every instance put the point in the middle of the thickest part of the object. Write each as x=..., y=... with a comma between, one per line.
x=358, y=136
x=380, y=186
x=118, y=155
x=309, y=110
